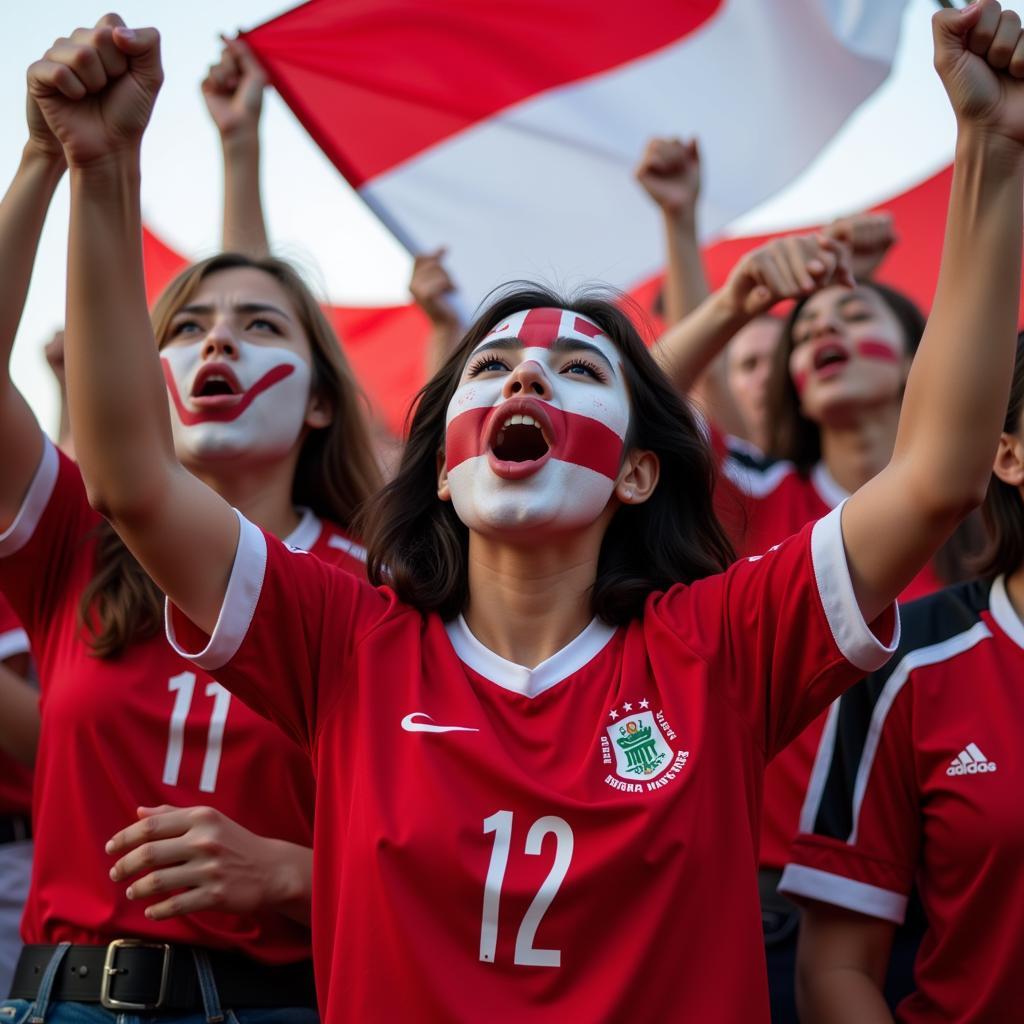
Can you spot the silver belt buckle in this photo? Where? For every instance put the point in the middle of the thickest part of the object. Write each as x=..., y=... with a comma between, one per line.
x=111, y=970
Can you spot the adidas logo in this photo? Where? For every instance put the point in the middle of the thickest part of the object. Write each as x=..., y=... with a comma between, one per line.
x=970, y=761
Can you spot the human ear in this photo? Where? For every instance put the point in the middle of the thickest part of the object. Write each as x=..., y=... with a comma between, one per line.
x=443, y=491
x=638, y=477
x=1009, y=461
x=319, y=412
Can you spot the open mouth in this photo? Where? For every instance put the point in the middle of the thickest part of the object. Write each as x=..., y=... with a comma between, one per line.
x=830, y=355
x=215, y=384
x=520, y=435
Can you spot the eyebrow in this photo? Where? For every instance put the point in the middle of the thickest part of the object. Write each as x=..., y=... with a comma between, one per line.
x=558, y=345
x=200, y=309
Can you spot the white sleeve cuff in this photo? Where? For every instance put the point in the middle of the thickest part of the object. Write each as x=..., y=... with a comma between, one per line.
x=853, y=636
x=37, y=497
x=813, y=884
x=13, y=642
x=240, y=600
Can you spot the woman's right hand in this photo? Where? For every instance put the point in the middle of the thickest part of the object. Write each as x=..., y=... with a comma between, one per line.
x=96, y=89
x=786, y=268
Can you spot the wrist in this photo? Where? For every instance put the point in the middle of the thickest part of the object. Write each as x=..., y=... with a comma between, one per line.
x=682, y=221
x=288, y=875
x=727, y=310
x=241, y=139
x=974, y=142
x=43, y=158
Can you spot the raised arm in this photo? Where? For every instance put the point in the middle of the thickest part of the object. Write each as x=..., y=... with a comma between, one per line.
x=233, y=90
x=96, y=91
x=22, y=213
x=957, y=390
x=669, y=172
x=430, y=287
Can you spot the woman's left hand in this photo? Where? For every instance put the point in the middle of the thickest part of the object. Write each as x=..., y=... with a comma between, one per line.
x=206, y=861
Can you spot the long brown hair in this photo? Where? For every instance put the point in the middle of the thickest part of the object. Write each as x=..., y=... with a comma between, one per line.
x=1003, y=509
x=418, y=545
x=335, y=474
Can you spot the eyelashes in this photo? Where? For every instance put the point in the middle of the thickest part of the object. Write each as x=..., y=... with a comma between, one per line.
x=486, y=363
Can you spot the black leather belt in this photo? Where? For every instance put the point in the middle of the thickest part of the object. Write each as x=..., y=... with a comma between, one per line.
x=14, y=828
x=131, y=974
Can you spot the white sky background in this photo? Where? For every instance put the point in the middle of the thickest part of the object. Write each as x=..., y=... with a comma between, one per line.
x=900, y=136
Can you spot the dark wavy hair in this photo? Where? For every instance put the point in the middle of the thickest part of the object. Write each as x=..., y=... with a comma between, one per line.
x=1004, y=509
x=793, y=436
x=418, y=545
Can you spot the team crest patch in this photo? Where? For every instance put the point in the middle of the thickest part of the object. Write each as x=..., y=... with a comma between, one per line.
x=640, y=746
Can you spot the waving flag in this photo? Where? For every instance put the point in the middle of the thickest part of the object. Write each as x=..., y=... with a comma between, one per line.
x=508, y=131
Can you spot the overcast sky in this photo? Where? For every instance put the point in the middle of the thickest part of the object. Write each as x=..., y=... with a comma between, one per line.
x=900, y=136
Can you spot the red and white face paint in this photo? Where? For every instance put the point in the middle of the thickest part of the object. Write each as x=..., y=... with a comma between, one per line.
x=536, y=429
x=250, y=405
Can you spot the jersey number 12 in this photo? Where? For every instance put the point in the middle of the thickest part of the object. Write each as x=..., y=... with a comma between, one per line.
x=500, y=823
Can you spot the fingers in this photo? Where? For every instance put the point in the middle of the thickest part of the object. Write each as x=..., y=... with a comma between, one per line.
x=204, y=897
x=151, y=855
x=1004, y=41
x=142, y=47
x=983, y=33
x=165, y=880
x=160, y=824
x=793, y=267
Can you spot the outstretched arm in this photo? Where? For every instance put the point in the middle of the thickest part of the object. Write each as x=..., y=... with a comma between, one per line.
x=22, y=213
x=96, y=91
x=958, y=387
x=233, y=90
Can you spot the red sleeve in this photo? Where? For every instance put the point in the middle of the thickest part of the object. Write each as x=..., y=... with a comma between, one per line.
x=38, y=548
x=782, y=633
x=286, y=631
x=860, y=830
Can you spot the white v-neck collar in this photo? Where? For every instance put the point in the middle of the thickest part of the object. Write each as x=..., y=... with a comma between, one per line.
x=825, y=484
x=1003, y=613
x=307, y=533
x=529, y=681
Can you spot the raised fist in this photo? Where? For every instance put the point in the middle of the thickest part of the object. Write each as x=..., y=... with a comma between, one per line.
x=787, y=268
x=233, y=90
x=868, y=236
x=979, y=55
x=96, y=89
x=669, y=171
x=430, y=285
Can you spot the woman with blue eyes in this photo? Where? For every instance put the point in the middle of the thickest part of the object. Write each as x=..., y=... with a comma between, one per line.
x=165, y=811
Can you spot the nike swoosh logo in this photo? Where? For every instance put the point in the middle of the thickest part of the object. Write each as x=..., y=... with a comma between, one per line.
x=411, y=723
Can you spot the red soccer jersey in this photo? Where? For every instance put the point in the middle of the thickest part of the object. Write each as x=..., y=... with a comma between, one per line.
x=918, y=782
x=145, y=728
x=779, y=502
x=15, y=778
x=576, y=841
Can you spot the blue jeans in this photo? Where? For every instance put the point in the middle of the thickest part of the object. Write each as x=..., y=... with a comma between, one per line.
x=43, y=1009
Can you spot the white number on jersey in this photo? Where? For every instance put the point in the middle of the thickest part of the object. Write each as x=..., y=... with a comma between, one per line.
x=183, y=686
x=500, y=823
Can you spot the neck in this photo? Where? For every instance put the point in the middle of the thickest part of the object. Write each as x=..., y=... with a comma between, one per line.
x=1015, y=591
x=263, y=494
x=528, y=601
x=860, y=447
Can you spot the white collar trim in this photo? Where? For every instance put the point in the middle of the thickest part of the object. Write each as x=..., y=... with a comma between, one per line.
x=1003, y=613
x=518, y=678
x=307, y=533
x=825, y=484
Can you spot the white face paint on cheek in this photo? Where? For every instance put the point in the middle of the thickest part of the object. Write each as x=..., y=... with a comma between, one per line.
x=263, y=419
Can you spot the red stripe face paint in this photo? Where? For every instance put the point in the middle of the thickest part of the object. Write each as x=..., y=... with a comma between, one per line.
x=577, y=439
x=870, y=348
x=228, y=413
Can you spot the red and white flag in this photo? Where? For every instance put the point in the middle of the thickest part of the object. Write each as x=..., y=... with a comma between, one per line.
x=508, y=130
